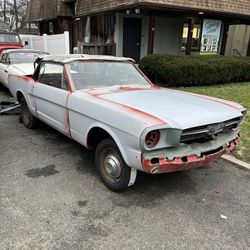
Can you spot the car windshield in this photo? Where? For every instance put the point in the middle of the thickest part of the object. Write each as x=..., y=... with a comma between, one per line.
x=9, y=38
x=24, y=57
x=97, y=74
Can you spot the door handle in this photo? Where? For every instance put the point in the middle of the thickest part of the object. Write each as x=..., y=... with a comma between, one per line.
x=138, y=44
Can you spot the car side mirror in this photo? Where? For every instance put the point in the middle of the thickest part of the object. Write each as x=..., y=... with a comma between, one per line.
x=26, y=43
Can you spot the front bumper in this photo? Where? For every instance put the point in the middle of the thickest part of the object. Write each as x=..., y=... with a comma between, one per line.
x=164, y=161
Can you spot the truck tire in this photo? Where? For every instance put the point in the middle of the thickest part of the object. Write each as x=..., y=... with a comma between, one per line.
x=27, y=118
x=111, y=167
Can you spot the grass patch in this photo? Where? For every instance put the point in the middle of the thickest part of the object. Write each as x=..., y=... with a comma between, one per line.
x=237, y=92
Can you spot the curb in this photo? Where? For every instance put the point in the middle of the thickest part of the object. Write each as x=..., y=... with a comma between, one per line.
x=239, y=164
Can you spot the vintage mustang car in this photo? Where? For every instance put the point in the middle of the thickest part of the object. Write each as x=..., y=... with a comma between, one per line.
x=107, y=104
x=18, y=62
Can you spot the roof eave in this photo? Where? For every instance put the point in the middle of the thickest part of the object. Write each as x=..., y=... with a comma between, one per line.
x=166, y=7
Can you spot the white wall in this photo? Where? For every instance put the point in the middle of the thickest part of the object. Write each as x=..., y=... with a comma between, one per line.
x=168, y=35
x=53, y=44
x=167, y=39
x=118, y=36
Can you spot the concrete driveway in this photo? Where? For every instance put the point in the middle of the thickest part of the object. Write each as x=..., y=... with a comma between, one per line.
x=51, y=198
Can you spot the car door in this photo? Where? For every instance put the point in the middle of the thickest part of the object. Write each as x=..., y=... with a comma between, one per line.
x=4, y=68
x=51, y=96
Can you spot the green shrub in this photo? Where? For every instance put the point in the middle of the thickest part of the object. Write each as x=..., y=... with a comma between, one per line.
x=195, y=70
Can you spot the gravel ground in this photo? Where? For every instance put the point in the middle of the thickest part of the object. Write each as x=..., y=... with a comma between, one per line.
x=51, y=198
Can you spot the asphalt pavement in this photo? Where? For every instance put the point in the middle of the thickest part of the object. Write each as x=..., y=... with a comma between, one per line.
x=51, y=198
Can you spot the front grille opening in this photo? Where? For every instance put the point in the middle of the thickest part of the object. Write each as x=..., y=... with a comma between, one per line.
x=155, y=161
x=201, y=138
x=212, y=151
x=232, y=126
x=203, y=134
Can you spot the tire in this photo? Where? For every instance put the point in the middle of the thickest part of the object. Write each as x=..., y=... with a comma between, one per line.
x=26, y=117
x=111, y=167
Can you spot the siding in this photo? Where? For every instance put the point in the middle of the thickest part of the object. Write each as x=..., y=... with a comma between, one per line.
x=237, y=7
x=47, y=9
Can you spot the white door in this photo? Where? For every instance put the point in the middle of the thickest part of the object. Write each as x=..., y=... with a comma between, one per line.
x=51, y=96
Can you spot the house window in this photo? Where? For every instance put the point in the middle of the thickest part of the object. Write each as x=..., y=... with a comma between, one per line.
x=196, y=37
x=196, y=41
x=184, y=37
x=51, y=28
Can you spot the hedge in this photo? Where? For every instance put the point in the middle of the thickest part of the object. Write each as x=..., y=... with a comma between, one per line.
x=195, y=70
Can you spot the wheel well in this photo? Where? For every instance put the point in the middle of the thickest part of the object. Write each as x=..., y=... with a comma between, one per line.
x=19, y=95
x=95, y=136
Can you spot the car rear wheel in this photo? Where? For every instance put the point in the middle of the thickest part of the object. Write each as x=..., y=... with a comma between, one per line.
x=112, y=169
x=27, y=118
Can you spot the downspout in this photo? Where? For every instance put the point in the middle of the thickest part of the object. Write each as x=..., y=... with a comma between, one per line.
x=87, y=31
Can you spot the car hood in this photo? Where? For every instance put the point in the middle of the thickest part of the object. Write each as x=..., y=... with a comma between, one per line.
x=23, y=68
x=5, y=46
x=177, y=109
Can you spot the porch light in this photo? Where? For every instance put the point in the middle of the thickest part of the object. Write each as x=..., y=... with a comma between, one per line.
x=201, y=13
x=137, y=11
x=127, y=12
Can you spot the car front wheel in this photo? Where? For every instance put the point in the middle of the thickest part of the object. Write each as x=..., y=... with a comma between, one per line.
x=27, y=118
x=112, y=169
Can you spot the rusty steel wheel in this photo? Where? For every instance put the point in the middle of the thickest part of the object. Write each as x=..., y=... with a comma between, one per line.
x=110, y=164
x=27, y=118
x=111, y=167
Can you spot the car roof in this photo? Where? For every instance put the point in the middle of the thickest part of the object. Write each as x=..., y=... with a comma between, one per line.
x=23, y=50
x=77, y=57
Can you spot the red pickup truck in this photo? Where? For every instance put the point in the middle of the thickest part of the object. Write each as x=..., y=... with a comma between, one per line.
x=9, y=40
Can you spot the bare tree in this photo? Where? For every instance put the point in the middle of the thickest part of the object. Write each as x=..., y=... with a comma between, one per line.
x=4, y=10
x=16, y=14
x=17, y=9
x=3, y=7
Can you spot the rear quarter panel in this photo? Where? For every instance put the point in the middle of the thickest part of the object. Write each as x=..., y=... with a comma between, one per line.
x=23, y=85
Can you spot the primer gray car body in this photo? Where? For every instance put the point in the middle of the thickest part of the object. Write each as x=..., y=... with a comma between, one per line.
x=192, y=130
x=178, y=109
